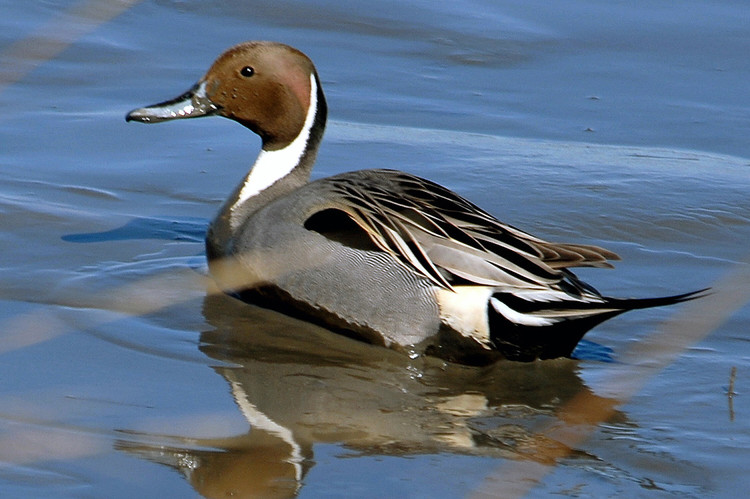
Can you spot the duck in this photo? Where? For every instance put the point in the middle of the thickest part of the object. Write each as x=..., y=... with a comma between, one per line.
x=379, y=255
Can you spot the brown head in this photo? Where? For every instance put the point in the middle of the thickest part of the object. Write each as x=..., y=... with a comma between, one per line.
x=265, y=86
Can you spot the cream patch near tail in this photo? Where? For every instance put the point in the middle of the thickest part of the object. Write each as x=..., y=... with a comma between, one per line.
x=464, y=309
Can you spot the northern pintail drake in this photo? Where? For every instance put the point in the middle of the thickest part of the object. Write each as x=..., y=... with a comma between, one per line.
x=382, y=255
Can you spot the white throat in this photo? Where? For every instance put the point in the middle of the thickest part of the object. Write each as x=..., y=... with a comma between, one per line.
x=270, y=166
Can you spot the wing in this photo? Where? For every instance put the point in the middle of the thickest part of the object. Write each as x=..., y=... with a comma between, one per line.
x=442, y=236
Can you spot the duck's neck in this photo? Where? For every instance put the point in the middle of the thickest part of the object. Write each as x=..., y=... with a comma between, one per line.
x=276, y=172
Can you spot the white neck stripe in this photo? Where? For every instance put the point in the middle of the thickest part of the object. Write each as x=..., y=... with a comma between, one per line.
x=271, y=166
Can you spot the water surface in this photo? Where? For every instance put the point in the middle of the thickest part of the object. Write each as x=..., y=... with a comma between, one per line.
x=124, y=373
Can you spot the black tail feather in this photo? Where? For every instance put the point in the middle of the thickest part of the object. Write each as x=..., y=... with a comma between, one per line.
x=523, y=342
x=638, y=303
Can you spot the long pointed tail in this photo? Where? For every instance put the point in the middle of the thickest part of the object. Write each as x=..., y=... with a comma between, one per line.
x=626, y=304
x=543, y=325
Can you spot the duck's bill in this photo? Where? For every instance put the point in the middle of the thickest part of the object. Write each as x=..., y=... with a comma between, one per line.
x=192, y=104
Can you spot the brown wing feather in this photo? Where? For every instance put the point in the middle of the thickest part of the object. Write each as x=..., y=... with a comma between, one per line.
x=431, y=230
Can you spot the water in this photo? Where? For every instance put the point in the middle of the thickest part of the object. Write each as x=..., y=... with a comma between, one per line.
x=124, y=374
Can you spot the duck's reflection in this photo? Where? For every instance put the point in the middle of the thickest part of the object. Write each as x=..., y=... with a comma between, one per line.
x=298, y=385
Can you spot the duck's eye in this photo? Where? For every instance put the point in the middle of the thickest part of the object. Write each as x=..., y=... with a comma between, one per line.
x=247, y=71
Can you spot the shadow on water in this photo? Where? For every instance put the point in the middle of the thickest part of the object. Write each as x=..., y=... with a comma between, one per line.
x=299, y=385
x=169, y=228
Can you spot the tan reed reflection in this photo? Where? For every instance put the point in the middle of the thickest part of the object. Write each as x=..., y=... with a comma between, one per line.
x=645, y=359
x=54, y=36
